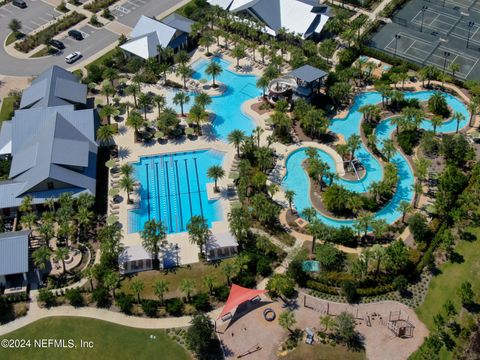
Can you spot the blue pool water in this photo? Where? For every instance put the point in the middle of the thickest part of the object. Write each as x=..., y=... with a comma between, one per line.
x=297, y=179
x=173, y=189
x=228, y=106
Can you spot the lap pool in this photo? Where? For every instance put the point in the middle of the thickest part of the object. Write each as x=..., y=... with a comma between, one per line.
x=173, y=188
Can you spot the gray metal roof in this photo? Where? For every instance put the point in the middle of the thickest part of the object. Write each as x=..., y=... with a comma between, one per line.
x=54, y=87
x=179, y=22
x=6, y=138
x=308, y=73
x=14, y=252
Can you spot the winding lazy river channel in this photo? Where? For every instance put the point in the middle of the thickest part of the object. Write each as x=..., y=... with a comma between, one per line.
x=297, y=180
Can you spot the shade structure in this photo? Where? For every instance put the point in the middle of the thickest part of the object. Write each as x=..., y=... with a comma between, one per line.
x=238, y=295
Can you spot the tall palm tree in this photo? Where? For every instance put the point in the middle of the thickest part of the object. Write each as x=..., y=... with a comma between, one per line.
x=127, y=183
x=238, y=53
x=108, y=111
x=354, y=142
x=287, y=320
x=153, y=235
x=181, y=98
x=198, y=116
x=133, y=90
x=388, y=148
x=473, y=108
x=236, y=138
x=187, y=286
x=459, y=117
x=214, y=70
x=203, y=99
x=262, y=83
x=198, y=231
x=61, y=254
x=215, y=172
x=135, y=121
x=107, y=90
x=160, y=287
x=28, y=220
x=289, y=196
x=436, y=121
x=137, y=287
x=160, y=101
x=404, y=207
x=41, y=257
x=144, y=100
x=184, y=71
x=105, y=134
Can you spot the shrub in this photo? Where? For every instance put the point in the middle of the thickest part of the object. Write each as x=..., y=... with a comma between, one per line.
x=201, y=302
x=97, y=5
x=349, y=289
x=221, y=292
x=74, y=296
x=174, y=306
x=62, y=7
x=407, y=140
x=263, y=267
x=101, y=297
x=400, y=283
x=125, y=302
x=47, y=297
x=149, y=307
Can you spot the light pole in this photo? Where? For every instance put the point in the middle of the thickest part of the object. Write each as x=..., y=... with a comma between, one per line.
x=396, y=42
x=424, y=8
x=446, y=54
x=470, y=25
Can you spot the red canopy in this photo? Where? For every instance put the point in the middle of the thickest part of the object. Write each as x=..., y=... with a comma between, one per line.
x=238, y=295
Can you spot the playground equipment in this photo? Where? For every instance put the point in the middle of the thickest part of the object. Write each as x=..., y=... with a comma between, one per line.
x=269, y=314
x=281, y=88
x=401, y=328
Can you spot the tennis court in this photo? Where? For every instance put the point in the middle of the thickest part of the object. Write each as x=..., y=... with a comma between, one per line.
x=421, y=51
x=459, y=5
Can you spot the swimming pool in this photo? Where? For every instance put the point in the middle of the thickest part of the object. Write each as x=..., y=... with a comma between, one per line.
x=227, y=106
x=297, y=180
x=173, y=188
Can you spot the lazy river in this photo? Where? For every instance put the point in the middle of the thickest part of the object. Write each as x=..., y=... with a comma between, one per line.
x=297, y=179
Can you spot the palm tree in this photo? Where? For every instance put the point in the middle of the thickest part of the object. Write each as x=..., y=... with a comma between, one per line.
x=354, y=142
x=473, y=108
x=262, y=83
x=215, y=172
x=363, y=222
x=137, y=287
x=26, y=204
x=111, y=74
x=126, y=169
x=127, y=183
x=181, y=98
x=236, y=138
x=454, y=67
x=198, y=231
x=160, y=101
x=109, y=111
x=209, y=283
x=187, y=286
x=144, y=100
x=184, y=71
x=238, y=53
x=160, y=287
x=459, y=117
x=388, y=148
x=133, y=89
x=28, y=220
x=111, y=281
x=135, y=121
x=289, y=196
x=436, y=120
x=107, y=90
x=203, y=99
x=15, y=25
x=229, y=270
x=90, y=273
x=105, y=134
x=213, y=69
x=418, y=188
x=153, y=235
x=61, y=254
x=198, y=116
x=41, y=257
x=404, y=207
x=328, y=322
x=206, y=40
x=287, y=320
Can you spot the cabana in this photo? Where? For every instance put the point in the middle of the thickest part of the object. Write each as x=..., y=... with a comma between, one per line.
x=308, y=79
x=238, y=296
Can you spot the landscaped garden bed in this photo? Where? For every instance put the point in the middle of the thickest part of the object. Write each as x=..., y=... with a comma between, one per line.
x=98, y=5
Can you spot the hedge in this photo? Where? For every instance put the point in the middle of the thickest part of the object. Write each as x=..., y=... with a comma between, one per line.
x=98, y=5
x=370, y=291
x=32, y=41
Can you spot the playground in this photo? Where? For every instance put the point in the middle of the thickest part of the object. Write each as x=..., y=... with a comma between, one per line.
x=386, y=327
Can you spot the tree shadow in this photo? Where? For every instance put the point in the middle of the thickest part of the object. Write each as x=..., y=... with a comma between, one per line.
x=457, y=258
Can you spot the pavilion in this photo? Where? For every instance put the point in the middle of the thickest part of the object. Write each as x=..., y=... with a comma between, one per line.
x=309, y=79
x=238, y=296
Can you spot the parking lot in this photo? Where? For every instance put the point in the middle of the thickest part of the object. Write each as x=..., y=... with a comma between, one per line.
x=129, y=13
x=126, y=8
x=35, y=15
x=427, y=33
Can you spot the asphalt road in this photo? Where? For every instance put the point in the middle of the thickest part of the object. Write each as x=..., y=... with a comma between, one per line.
x=39, y=13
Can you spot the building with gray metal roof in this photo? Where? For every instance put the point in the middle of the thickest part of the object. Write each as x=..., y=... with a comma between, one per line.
x=51, y=141
x=13, y=254
x=149, y=34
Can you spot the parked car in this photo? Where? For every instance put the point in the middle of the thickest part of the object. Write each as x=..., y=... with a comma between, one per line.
x=77, y=35
x=20, y=3
x=57, y=44
x=73, y=57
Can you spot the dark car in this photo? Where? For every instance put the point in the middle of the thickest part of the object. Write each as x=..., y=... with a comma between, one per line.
x=77, y=35
x=20, y=3
x=57, y=44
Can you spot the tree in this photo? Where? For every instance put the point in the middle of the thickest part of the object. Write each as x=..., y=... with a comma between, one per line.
x=105, y=134
x=459, y=117
x=153, y=234
x=111, y=280
x=187, y=286
x=216, y=172
x=354, y=142
x=109, y=111
x=438, y=105
x=198, y=231
x=209, y=283
x=137, y=287
x=238, y=53
x=135, y=121
x=181, y=98
x=28, y=220
x=330, y=257
x=201, y=339
x=61, y=254
x=184, y=71
x=15, y=25
x=144, y=101
x=198, y=116
x=41, y=257
x=236, y=138
x=436, y=121
x=160, y=287
x=289, y=196
x=239, y=223
x=262, y=83
x=229, y=270
x=287, y=319
x=396, y=257
x=206, y=40
x=454, y=68
x=214, y=70
x=133, y=90
x=203, y=100
x=404, y=207
x=127, y=183
x=419, y=227
x=466, y=294
x=345, y=329
x=160, y=101
x=388, y=148
x=281, y=285
x=107, y=90
x=111, y=74
x=328, y=322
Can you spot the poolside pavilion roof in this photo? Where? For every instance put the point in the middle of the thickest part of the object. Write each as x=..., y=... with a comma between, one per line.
x=238, y=295
x=308, y=73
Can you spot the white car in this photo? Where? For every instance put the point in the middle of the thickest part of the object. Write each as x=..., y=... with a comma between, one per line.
x=73, y=57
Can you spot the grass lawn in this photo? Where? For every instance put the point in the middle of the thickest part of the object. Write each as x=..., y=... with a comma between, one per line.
x=323, y=352
x=196, y=272
x=445, y=285
x=13, y=37
x=110, y=341
x=100, y=60
x=7, y=108
x=42, y=52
